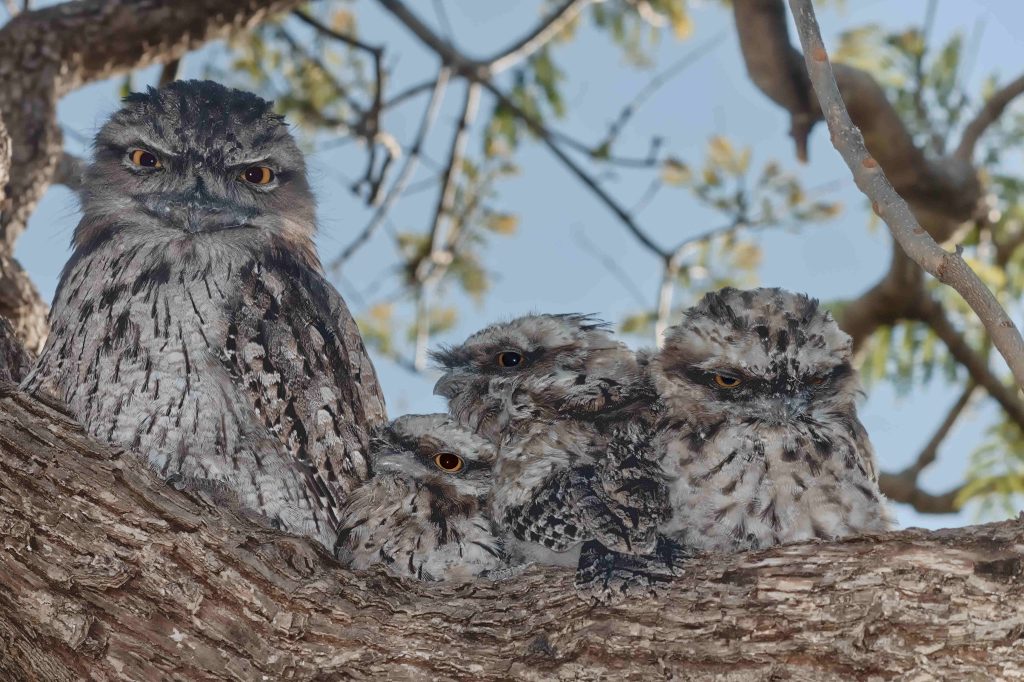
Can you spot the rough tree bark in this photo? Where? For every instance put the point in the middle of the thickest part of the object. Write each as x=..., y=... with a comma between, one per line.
x=47, y=53
x=110, y=574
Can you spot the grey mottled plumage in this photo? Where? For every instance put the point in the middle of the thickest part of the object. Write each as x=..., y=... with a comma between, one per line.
x=423, y=512
x=568, y=407
x=193, y=325
x=760, y=431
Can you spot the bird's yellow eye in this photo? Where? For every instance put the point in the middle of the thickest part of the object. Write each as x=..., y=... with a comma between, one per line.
x=144, y=159
x=449, y=461
x=258, y=175
x=723, y=381
x=509, y=358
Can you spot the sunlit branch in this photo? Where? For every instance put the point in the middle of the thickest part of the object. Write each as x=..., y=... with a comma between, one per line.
x=431, y=269
x=541, y=35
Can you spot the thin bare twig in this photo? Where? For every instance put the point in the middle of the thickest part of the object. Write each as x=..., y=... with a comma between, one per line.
x=341, y=88
x=409, y=93
x=666, y=293
x=442, y=19
x=375, y=51
x=611, y=264
x=369, y=122
x=931, y=312
x=904, y=486
x=480, y=72
x=406, y=173
x=931, y=449
x=673, y=263
x=989, y=114
x=478, y=69
x=546, y=138
x=656, y=83
x=948, y=268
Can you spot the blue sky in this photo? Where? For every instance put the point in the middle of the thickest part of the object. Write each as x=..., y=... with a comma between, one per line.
x=543, y=267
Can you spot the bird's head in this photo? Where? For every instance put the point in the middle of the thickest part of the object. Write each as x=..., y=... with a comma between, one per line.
x=762, y=356
x=431, y=451
x=535, y=367
x=197, y=160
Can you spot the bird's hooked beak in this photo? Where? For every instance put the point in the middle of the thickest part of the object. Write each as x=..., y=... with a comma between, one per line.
x=449, y=385
x=195, y=211
x=784, y=407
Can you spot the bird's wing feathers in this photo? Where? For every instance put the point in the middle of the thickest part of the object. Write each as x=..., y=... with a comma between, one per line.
x=295, y=348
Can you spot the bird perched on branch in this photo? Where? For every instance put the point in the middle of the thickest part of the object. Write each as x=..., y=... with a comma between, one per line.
x=759, y=431
x=569, y=408
x=193, y=325
x=423, y=511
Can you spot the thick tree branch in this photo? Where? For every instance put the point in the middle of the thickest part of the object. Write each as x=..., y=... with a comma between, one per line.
x=19, y=300
x=947, y=187
x=109, y=573
x=899, y=489
x=948, y=268
x=888, y=301
x=775, y=67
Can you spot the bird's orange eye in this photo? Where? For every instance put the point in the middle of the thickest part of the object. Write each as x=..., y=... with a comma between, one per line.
x=258, y=175
x=509, y=358
x=816, y=381
x=144, y=159
x=448, y=461
x=724, y=381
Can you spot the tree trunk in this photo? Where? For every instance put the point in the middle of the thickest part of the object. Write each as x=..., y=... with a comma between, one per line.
x=110, y=574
